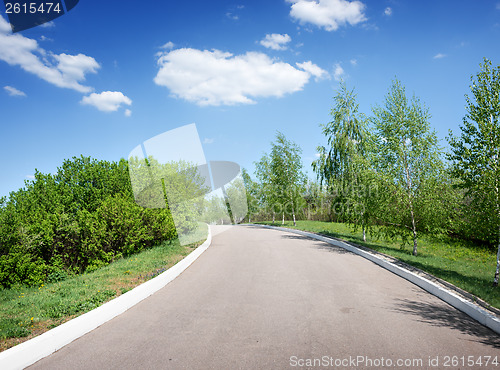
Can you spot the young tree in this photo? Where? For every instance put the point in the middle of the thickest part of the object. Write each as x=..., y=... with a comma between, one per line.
x=286, y=174
x=281, y=177
x=408, y=157
x=343, y=166
x=476, y=153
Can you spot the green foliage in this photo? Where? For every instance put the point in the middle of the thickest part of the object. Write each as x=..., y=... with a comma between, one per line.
x=77, y=220
x=281, y=176
x=408, y=158
x=475, y=156
x=344, y=166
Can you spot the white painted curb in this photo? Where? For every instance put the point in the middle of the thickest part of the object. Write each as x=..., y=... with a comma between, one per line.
x=31, y=351
x=477, y=313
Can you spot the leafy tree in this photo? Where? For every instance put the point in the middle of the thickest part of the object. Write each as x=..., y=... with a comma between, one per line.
x=287, y=177
x=281, y=177
x=252, y=192
x=266, y=186
x=343, y=166
x=475, y=154
x=408, y=159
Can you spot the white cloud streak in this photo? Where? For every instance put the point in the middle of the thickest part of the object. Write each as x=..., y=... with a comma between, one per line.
x=12, y=91
x=439, y=56
x=313, y=70
x=328, y=14
x=63, y=70
x=338, y=72
x=107, y=101
x=213, y=78
x=276, y=41
x=388, y=11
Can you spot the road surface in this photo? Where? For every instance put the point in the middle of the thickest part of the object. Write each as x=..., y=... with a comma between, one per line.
x=268, y=299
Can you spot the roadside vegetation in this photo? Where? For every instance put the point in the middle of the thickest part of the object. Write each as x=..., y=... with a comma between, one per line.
x=27, y=311
x=383, y=180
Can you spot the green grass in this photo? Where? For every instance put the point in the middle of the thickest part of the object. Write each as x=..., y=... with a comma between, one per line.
x=29, y=311
x=461, y=263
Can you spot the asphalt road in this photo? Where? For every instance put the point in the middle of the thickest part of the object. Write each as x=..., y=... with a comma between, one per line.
x=267, y=299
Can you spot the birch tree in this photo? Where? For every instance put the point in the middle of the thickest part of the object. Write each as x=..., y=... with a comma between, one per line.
x=475, y=154
x=286, y=174
x=407, y=155
x=343, y=165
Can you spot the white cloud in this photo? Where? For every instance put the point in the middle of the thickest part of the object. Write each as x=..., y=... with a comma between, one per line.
x=107, y=101
x=313, y=70
x=329, y=14
x=217, y=78
x=43, y=38
x=12, y=91
x=61, y=70
x=338, y=72
x=208, y=141
x=232, y=16
x=354, y=62
x=169, y=45
x=439, y=56
x=48, y=24
x=388, y=11
x=128, y=112
x=276, y=41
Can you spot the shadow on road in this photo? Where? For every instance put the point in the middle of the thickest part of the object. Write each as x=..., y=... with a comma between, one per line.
x=319, y=244
x=443, y=315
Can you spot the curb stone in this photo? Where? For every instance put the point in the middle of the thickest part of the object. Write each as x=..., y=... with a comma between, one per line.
x=33, y=350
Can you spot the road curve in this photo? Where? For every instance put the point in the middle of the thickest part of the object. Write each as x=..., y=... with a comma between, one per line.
x=268, y=299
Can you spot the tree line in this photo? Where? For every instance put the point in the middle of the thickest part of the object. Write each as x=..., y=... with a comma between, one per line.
x=386, y=173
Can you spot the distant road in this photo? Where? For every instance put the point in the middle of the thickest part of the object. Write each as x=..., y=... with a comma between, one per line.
x=268, y=299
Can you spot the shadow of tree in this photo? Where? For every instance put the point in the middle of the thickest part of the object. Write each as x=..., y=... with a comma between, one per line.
x=319, y=244
x=441, y=315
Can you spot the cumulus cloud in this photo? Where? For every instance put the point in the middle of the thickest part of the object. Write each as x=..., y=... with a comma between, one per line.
x=219, y=78
x=313, y=70
x=128, y=112
x=62, y=70
x=328, y=14
x=439, y=56
x=388, y=11
x=12, y=91
x=354, y=62
x=338, y=72
x=107, y=101
x=276, y=41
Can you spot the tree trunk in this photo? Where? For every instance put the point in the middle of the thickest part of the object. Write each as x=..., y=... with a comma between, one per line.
x=364, y=231
x=273, y=217
x=293, y=213
x=283, y=222
x=414, y=234
x=497, y=272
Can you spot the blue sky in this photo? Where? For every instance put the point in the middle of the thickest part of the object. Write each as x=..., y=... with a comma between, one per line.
x=107, y=76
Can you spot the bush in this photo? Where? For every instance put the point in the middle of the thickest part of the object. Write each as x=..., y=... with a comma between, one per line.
x=78, y=220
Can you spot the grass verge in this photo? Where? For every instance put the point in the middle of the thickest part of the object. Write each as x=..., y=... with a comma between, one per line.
x=463, y=264
x=26, y=312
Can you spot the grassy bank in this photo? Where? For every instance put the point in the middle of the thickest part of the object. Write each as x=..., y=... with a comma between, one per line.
x=463, y=264
x=26, y=312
